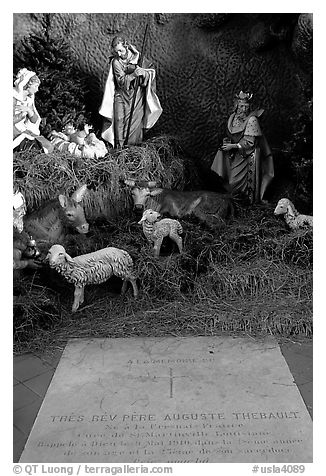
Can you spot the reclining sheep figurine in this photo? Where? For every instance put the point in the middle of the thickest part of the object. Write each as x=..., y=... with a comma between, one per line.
x=92, y=268
x=155, y=230
x=292, y=217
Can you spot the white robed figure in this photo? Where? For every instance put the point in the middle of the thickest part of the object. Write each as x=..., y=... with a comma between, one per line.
x=118, y=95
x=26, y=119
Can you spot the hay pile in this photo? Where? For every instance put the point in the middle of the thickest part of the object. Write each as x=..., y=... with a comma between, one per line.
x=43, y=176
x=251, y=276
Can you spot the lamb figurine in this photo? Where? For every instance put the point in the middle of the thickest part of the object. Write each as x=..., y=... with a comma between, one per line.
x=155, y=230
x=292, y=217
x=92, y=268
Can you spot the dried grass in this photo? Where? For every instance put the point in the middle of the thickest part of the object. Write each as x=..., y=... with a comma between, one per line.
x=215, y=286
x=251, y=275
x=44, y=176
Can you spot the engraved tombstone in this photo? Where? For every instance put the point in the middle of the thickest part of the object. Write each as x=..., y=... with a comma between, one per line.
x=174, y=400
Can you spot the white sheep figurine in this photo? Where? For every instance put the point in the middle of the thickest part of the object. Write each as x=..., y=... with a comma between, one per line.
x=155, y=230
x=292, y=217
x=92, y=268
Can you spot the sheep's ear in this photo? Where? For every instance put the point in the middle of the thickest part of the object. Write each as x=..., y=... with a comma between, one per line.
x=290, y=211
x=69, y=258
x=79, y=194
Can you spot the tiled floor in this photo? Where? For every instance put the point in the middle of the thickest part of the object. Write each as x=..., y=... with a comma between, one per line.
x=299, y=357
x=32, y=376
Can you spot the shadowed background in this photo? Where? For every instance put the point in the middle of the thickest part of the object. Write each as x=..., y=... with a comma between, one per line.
x=202, y=60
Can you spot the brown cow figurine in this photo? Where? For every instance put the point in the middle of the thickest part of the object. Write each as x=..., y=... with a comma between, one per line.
x=48, y=224
x=209, y=207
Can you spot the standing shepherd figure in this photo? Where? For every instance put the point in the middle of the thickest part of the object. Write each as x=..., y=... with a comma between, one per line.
x=130, y=103
x=245, y=160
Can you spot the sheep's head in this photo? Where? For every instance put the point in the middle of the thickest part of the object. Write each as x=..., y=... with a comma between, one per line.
x=57, y=255
x=283, y=206
x=150, y=215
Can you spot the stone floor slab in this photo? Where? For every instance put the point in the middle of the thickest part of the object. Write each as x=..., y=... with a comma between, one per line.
x=40, y=383
x=23, y=396
x=200, y=399
x=29, y=367
x=18, y=448
x=299, y=357
x=24, y=418
x=18, y=434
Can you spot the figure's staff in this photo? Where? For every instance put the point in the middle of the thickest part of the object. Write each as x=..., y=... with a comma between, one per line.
x=140, y=63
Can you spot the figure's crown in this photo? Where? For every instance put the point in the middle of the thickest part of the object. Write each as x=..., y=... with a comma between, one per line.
x=244, y=96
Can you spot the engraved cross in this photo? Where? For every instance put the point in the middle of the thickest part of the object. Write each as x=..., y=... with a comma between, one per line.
x=171, y=377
